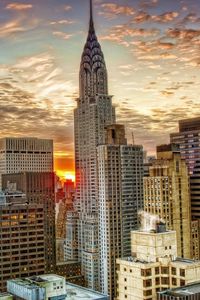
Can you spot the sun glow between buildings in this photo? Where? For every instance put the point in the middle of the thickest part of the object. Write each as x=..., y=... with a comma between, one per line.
x=65, y=175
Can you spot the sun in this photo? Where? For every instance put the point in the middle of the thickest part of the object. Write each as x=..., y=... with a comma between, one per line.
x=66, y=175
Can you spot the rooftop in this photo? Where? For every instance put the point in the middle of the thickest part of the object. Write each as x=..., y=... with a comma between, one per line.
x=75, y=292
x=177, y=260
x=24, y=282
x=45, y=278
x=191, y=289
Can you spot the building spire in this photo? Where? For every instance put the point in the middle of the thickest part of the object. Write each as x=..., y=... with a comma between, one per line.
x=91, y=16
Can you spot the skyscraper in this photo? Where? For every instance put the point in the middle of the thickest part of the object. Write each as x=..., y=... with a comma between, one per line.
x=22, y=238
x=25, y=155
x=120, y=169
x=166, y=193
x=94, y=111
x=39, y=190
x=188, y=139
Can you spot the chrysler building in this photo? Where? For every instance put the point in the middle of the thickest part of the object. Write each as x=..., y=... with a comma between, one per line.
x=93, y=113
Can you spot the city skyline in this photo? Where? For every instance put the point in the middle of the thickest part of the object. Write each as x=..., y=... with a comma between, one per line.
x=153, y=43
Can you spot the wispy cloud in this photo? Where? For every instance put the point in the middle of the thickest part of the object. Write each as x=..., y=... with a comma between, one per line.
x=112, y=10
x=19, y=6
x=17, y=26
x=62, y=22
x=67, y=7
x=62, y=35
x=166, y=17
x=36, y=92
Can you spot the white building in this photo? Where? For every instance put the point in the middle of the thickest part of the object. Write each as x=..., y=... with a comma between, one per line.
x=48, y=287
x=94, y=111
x=25, y=154
x=120, y=168
x=43, y=287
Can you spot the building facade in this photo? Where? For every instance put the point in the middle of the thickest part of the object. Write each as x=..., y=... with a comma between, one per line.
x=120, y=172
x=71, y=238
x=39, y=189
x=188, y=139
x=22, y=239
x=166, y=193
x=153, y=266
x=25, y=154
x=94, y=111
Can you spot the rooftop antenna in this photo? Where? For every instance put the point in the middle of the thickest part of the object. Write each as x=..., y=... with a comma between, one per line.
x=91, y=15
x=133, y=138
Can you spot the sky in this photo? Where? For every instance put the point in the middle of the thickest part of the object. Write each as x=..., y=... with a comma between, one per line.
x=152, y=53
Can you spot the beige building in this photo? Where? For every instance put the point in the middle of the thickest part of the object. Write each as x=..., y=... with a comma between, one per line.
x=188, y=140
x=153, y=266
x=166, y=193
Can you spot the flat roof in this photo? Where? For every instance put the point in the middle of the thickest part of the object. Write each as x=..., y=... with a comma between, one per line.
x=177, y=261
x=186, y=261
x=75, y=292
x=190, y=289
x=24, y=282
x=46, y=277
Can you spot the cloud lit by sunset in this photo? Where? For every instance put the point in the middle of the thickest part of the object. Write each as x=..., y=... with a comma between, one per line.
x=153, y=67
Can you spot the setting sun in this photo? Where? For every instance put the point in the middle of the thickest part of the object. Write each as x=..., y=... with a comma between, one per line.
x=66, y=175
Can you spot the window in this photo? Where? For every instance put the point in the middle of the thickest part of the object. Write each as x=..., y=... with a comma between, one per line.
x=147, y=283
x=147, y=293
x=173, y=271
x=174, y=281
x=164, y=270
x=145, y=272
x=165, y=280
x=182, y=282
x=182, y=272
x=157, y=280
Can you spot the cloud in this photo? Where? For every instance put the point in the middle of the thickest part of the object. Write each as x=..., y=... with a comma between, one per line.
x=17, y=26
x=153, y=128
x=189, y=18
x=62, y=35
x=19, y=6
x=167, y=93
x=62, y=22
x=166, y=17
x=124, y=34
x=112, y=10
x=67, y=7
x=184, y=34
x=10, y=28
x=39, y=101
x=146, y=4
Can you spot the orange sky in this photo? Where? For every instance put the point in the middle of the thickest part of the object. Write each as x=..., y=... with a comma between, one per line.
x=64, y=167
